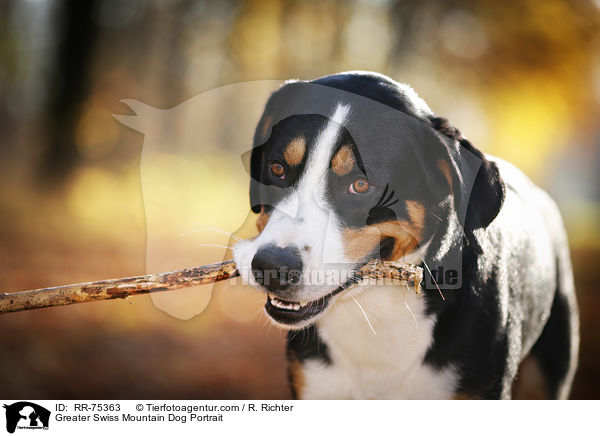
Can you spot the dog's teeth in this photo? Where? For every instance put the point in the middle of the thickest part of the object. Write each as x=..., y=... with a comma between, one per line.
x=284, y=304
x=303, y=303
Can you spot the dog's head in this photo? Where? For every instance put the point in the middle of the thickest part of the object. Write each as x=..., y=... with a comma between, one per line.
x=345, y=169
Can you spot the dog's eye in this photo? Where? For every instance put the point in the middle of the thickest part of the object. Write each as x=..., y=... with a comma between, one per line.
x=359, y=186
x=277, y=170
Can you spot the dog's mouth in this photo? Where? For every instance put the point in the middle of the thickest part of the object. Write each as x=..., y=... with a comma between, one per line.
x=291, y=313
x=295, y=312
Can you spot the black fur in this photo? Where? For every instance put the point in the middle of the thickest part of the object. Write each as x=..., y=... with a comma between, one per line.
x=510, y=301
x=304, y=345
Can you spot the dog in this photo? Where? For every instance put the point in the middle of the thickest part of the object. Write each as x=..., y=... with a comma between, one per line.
x=355, y=166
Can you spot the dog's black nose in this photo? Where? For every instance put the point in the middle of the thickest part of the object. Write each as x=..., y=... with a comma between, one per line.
x=277, y=268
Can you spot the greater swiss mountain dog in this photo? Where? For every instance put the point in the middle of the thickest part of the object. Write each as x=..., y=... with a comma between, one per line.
x=355, y=166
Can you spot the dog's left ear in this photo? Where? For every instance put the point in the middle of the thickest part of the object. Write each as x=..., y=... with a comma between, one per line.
x=477, y=187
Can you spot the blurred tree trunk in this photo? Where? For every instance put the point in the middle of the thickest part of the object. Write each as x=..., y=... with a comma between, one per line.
x=70, y=85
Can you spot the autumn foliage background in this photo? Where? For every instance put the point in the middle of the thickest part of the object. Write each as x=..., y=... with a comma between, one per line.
x=520, y=79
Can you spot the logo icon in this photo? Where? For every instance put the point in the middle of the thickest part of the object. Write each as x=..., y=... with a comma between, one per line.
x=26, y=415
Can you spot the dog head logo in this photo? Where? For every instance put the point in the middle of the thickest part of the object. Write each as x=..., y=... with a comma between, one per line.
x=194, y=186
x=26, y=415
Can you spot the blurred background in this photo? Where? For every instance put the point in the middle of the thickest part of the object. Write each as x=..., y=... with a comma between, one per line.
x=520, y=79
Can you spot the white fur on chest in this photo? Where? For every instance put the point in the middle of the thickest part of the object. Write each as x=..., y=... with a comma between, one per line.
x=386, y=363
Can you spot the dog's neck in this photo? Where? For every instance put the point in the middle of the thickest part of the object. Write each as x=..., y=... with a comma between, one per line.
x=374, y=331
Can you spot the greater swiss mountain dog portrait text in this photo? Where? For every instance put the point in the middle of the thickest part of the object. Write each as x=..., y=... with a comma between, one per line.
x=354, y=167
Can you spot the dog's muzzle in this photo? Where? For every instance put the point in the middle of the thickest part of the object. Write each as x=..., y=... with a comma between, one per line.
x=277, y=269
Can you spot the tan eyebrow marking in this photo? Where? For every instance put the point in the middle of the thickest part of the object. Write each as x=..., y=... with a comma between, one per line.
x=294, y=152
x=343, y=161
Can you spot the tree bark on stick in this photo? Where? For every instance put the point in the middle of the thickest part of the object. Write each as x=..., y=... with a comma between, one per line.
x=116, y=288
x=203, y=275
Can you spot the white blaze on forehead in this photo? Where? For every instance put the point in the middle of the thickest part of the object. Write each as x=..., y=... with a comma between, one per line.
x=319, y=224
x=311, y=187
x=313, y=180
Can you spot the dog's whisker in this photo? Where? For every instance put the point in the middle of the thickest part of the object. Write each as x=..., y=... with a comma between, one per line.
x=437, y=216
x=261, y=316
x=405, y=288
x=429, y=271
x=235, y=238
x=265, y=322
x=434, y=281
x=215, y=245
x=207, y=228
x=365, y=315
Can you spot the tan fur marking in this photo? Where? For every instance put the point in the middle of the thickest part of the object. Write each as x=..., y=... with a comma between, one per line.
x=343, y=161
x=530, y=383
x=416, y=212
x=444, y=167
x=264, y=129
x=294, y=152
x=295, y=374
x=262, y=220
x=360, y=242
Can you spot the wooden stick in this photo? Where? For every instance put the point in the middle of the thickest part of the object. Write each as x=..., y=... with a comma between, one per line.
x=122, y=288
x=116, y=288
